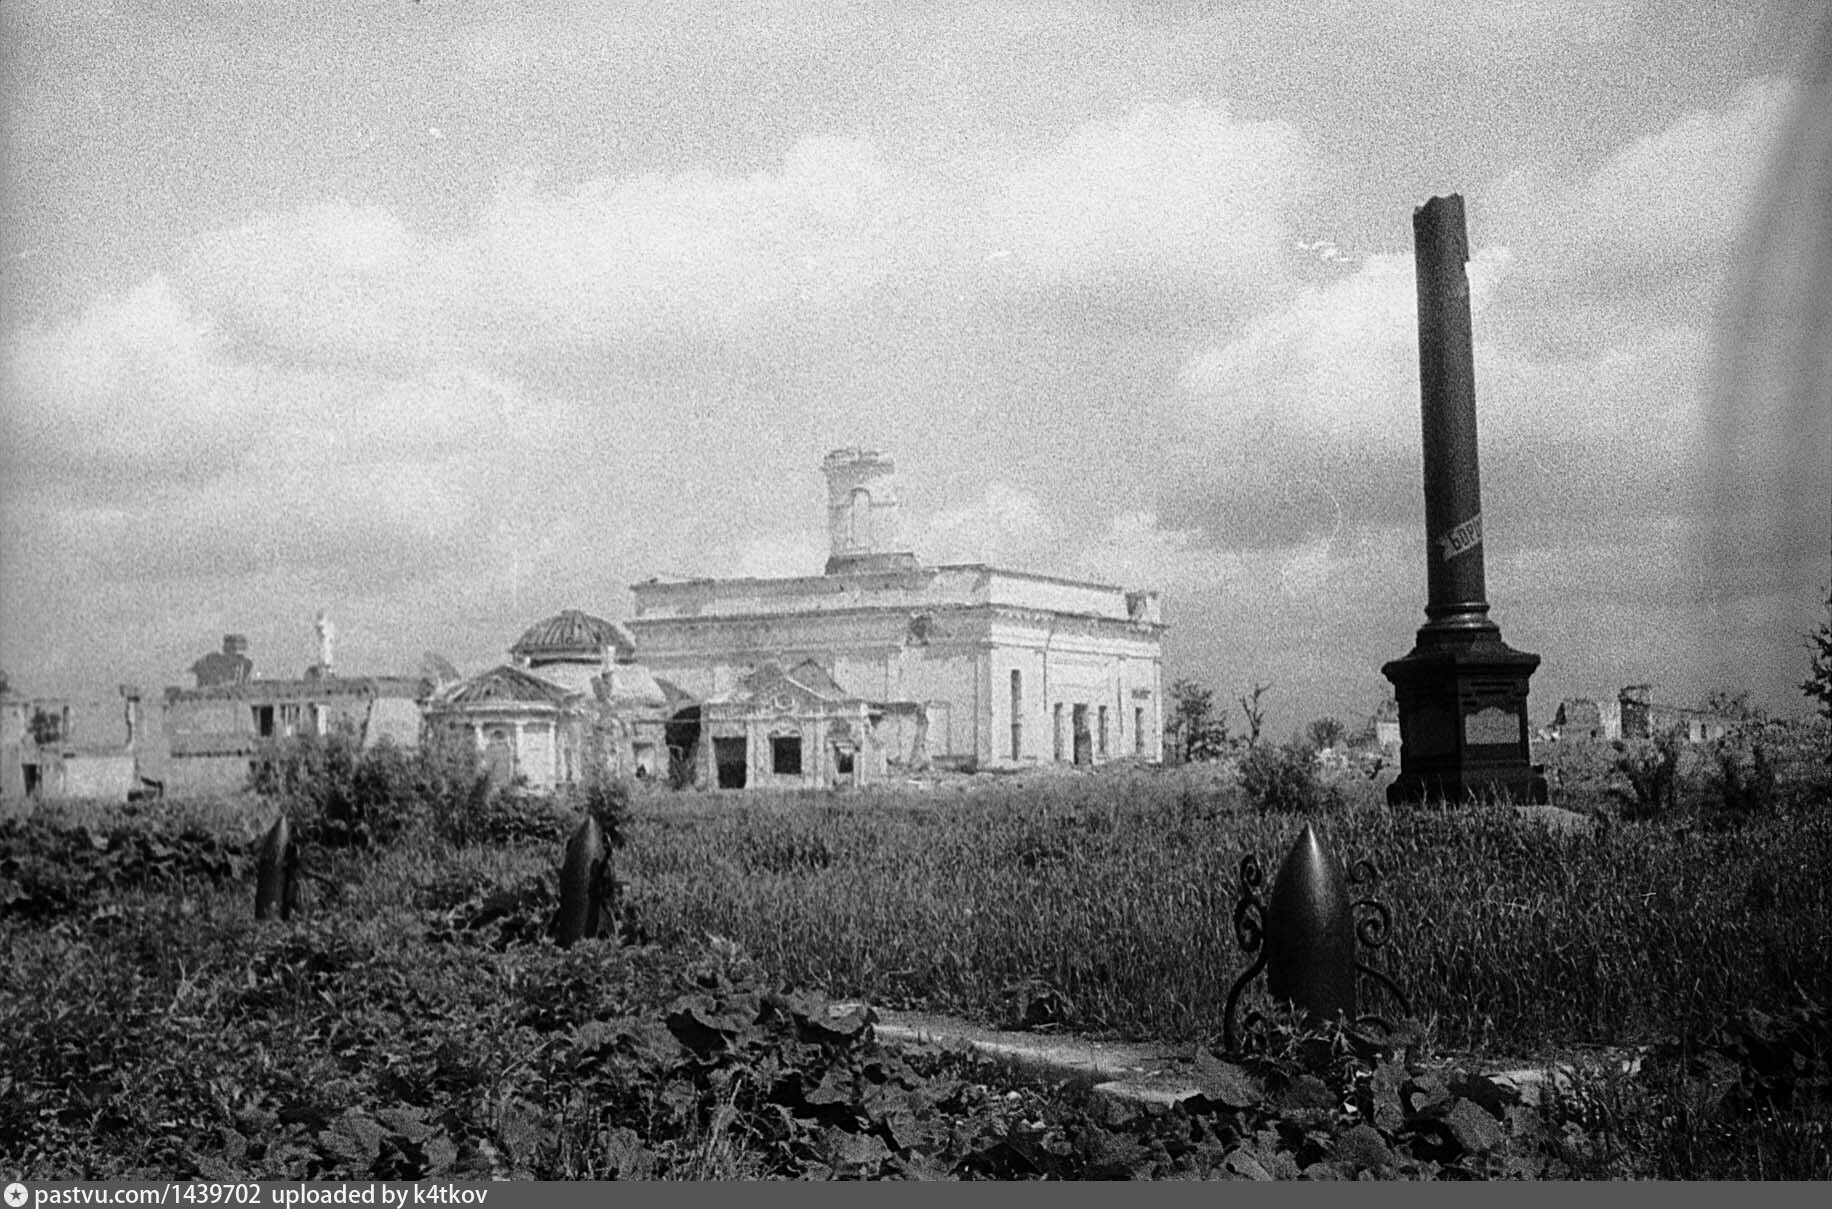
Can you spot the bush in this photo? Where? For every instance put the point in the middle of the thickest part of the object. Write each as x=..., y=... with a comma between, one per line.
x=1283, y=780
x=1739, y=778
x=336, y=791
x=453, y=787
x=1651, y=768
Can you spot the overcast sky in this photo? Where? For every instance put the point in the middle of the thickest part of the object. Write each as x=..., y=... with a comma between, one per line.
x=444, y=316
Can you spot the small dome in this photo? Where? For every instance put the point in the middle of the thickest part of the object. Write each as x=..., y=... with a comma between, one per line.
x=573, y=635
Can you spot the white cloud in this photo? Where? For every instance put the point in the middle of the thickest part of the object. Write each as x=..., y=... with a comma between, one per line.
x=1672, y=200
x=334, y=278
x=1171, y=193
x=691, y=255
x=1166, y=196
x=1006, y=526
x=1337, y=362
x=124, y=388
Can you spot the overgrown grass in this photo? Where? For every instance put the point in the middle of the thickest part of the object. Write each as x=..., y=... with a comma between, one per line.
x=416, y=1007
x=1119, y=892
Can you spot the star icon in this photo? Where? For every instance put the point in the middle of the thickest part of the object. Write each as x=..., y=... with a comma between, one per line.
x=15, y=1194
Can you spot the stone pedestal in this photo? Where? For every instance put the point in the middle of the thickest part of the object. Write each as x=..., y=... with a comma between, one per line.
x=1463, y=722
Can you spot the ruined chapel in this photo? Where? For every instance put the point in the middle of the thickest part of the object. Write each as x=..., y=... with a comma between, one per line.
x=883, y=660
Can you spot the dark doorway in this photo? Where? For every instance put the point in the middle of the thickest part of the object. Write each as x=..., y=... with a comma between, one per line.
x=785, y=755
x=1084, y=742
x=681, y=736
x=731, y=758
x=31, y=779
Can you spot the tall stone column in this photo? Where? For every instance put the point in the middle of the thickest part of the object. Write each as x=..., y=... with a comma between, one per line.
x=1462, y=692
x=1456, y=596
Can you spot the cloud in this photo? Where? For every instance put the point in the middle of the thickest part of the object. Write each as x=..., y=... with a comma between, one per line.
x=1669, y=202
x=334, y=279
x=693, y=255
x=1005, y=526
x=1306, y=419
x=125, y=388
x=1337, y=362
x=152, y=453
x=1173, y=194
x=1166, y=197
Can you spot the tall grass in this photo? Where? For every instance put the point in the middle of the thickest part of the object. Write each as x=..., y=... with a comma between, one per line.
x=1119, y=894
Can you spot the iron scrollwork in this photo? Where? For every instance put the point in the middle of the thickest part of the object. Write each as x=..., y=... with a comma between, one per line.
x=1249, y=933
x=1372, y=927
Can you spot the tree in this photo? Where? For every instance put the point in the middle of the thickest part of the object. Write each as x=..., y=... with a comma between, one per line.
x=1200, y=733
x=1818, y=686
x=1732, y=704
x=1255, y=712
x=1325, y=733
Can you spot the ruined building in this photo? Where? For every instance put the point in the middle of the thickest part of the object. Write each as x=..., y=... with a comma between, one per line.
x=214, y=729
x=1644, y=716
x=1634, y=714
x=72, y=747
x=573, y=691
x=884, y=661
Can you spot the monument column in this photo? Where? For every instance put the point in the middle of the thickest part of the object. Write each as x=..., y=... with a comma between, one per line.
x=1462, y=692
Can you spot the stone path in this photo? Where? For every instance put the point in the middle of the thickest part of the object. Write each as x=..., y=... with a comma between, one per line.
x=1145, y=1073
x=1142, y=1074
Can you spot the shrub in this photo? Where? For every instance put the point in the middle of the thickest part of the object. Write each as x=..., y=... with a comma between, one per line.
x=1651, y=768
x=606, y=798
x=1739, y=778
x=453, y=787
x=1283, y=780
x=1818, y=685
x=336, y=791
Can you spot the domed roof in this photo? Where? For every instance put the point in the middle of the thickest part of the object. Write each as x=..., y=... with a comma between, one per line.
x=502, y=684
x=573, y=635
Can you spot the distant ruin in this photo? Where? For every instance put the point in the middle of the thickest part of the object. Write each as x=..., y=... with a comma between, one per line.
x=878, y=664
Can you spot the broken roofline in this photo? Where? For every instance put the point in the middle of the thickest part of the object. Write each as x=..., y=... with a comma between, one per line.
x=920, y=569
x=1021, y=612
x=410, y=687
x=759, y=679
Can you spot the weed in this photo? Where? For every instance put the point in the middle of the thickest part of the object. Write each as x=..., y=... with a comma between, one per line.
x=1283, y=780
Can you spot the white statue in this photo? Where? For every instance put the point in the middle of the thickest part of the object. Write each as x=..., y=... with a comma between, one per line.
x=327, y=638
